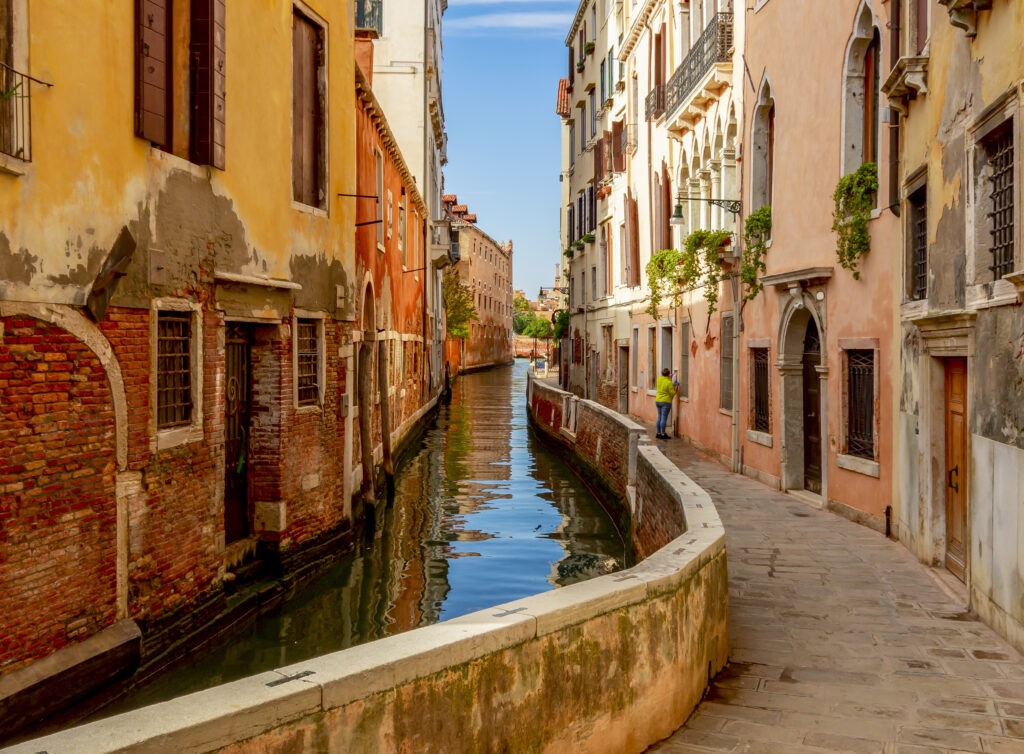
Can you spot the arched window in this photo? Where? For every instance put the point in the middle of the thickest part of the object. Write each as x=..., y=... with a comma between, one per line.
x=860, y=93
x=762, y=140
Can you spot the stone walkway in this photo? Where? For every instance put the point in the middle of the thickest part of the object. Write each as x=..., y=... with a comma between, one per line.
x=840, y=640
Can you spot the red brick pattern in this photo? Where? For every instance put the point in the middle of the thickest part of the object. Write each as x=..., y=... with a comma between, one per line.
x=612, y=458
x=57, y=503
x=659, y=518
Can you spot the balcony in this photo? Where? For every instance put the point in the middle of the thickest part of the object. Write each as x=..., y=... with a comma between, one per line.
x=629, y=139
x=655, y=102
x=370, y=16
x=702, y=76
x=908, y=79
x=15, y=114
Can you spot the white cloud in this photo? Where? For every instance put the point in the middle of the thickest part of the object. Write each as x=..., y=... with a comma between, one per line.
x=510, y=21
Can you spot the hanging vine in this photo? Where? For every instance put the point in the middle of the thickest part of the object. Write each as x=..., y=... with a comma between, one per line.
x=854, y=199
x=756, y=231
x=671, y=272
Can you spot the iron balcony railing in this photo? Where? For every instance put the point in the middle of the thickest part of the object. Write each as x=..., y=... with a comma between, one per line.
x=712, y=47
x=628, y=145
x=15, y=113
x=655, y=102
x=370, y=15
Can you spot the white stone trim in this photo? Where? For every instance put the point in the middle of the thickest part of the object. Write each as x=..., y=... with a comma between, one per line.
x=761, y=438
x=859, y=465
x=321, y=378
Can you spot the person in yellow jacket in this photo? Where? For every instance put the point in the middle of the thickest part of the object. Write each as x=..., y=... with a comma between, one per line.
x=663, y=400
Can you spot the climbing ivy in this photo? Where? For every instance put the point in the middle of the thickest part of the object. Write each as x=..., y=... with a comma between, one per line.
x=756, y=231
x=854, y=199
x=671, y=272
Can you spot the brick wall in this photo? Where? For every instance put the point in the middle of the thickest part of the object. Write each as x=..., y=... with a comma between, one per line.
x=57, y=503
x=659, y=517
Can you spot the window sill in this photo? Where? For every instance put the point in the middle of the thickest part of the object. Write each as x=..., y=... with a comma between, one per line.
x=178, y=436
x=761, y=438
x=310, y=210
x=12, y=165
x=913, y=309
x=301, y=410
x=988, y=295
x=725, y=411
x=859, y=465
x=652, y=392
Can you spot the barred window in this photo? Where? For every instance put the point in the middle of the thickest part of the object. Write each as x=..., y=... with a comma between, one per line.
x=308, y=362
x=174, y=369
x=917, y=275
x=762, y=411
x=860, y=406
x=999, y=152
x=726, y=364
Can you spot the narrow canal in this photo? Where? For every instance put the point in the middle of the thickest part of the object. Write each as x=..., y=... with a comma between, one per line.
x=483, y=514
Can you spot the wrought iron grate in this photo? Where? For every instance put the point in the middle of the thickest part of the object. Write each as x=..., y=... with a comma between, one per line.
x=999, y=147
x=860, y=421
x=919, y=246
x=762, y=414
x=174, y=369
x=15, y=113
x=309, y=363
x=655, y=102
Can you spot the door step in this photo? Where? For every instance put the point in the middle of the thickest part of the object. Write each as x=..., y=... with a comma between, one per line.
x=806, y=496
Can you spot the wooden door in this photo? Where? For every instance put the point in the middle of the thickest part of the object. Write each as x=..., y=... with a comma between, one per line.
x=238, y=348
x=956, y=466
x=812, y=408
x=623, y=380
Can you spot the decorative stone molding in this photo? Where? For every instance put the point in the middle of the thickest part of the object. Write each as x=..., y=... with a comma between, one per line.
x=948, y=333
x=964, y=13
x=1017, y=279
x=908, y=79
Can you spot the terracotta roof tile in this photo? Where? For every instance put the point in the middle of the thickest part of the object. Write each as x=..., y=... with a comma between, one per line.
x=562, y=104
x=471, y=218
x=446, y=198
x=460, y=209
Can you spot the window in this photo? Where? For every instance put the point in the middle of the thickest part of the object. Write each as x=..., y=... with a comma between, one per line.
x=652, y=358
x=380, y=201
x=635, y=359
x=609, y=352
x=725, y=393
x=998, y=150
x=572, y=144
x=871, y=85
x=860, y=403
x=604, y=90
x=763, y=142
x=583, y=127
x=207, y=124
x=684, y=360
x=860, y=94
x=593, y=283
x=920, y=27
x=667, y=340
x=762, y=412
x=611, y=71
x=174, y=369
x=593, y=115
x=593, y=23
x=307, y=350
x=917, y=236
x=403, y=234
x=390, y=211
x=308, y=107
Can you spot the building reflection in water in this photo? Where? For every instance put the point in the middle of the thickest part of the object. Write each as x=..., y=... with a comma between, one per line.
x=483, y=514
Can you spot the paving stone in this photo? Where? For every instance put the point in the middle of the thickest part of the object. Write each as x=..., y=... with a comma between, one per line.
x=841, y=641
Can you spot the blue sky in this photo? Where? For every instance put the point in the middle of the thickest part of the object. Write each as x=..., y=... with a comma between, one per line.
x=502, y=62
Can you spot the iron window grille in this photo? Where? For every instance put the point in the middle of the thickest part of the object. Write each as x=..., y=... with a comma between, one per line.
x=15, y=113
x=918, y=246
x=309, y=363
x=174, y=369
x=713, y=46
x=762, y=413
x=999, y=147
x=726, y=364
x=860, y=417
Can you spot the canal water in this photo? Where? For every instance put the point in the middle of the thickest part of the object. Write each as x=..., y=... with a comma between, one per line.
x=483, y=513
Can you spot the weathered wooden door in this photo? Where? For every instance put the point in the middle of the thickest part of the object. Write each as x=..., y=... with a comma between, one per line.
x=812, y=403
x=956, y=471
x=238, y=347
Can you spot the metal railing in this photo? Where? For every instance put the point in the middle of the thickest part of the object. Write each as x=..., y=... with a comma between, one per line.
x=15, y=113
x=712, y=47
x=655, y=102
x=370, y=15
x=628, y=145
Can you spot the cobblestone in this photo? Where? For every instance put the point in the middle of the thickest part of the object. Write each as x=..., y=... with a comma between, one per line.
x=840, y=640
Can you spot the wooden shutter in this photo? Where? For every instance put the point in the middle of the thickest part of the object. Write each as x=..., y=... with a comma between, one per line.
x=599, y=160
x=572, y=65
x=306, y=111
x=609, y=161
x=634, y=243
x=666, y=207
x=208, y=83
x=152, y=71
x=618, y=148
x=591, y=209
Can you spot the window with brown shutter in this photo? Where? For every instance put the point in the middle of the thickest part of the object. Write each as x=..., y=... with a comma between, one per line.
x=618, y=147
x=308, y=106
x=153, y=71
x=634, y=242
x=207, y=66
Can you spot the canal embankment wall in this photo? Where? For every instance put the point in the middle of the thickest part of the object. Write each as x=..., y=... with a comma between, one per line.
x=615, y=663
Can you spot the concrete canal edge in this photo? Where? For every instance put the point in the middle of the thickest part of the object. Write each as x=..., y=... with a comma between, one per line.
x=615, y=663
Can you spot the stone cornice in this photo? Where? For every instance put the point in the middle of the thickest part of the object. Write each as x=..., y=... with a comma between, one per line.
x=964, y=13
x=909, y=78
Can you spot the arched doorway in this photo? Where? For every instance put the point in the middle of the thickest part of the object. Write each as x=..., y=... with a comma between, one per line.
x=811, y=399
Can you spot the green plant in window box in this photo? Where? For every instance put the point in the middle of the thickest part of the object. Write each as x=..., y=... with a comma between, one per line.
x=588, y=238
x=579, y=66
x=569, y=252
x=757, y=229
x=588, y=47
x=854, y=199
x=672, y=272
x=579, y=245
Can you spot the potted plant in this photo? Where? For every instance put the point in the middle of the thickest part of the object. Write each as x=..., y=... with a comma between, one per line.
x=588, y=47
x=579, y=245
x=579, y=66
x=588, y=238
x=568, y=252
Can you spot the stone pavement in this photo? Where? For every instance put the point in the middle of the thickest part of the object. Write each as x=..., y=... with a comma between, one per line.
x=840, y=640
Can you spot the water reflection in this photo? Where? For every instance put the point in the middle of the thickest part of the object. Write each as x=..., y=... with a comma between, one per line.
x=482, y=514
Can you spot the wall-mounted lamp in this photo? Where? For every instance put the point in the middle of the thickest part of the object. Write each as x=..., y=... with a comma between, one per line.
x=732, y=206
